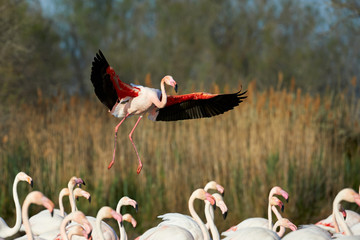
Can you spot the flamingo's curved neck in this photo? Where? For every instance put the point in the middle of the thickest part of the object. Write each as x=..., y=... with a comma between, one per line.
x=64, y=222
x=72, y=197
x=25, y=218
x=99, y=218
x=63, y=192
x=197, y=218
x=163, y=94
x=337, y=217
x=210, y=221
x=123, y=235
x=269, y=215
x=281, y=232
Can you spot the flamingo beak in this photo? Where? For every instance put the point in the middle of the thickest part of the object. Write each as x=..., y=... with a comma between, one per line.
x=224, y=215
x=176, y=88
x=136, y=208
x=89, y=199
x=30, y=181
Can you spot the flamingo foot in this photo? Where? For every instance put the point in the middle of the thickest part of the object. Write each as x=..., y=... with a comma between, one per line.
x=139, y=168
x=111, y=163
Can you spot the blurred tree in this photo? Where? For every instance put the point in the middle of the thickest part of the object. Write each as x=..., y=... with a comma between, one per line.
x=30, y=55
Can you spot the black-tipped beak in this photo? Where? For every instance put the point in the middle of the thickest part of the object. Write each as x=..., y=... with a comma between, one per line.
x=223, y=193
x=136, y=208
x=282, y=208
x=84, y=183
x=225, y=215
x=287, y=200
x=32, y=184
x=77, y=199
x=176, y=87
x=214, y=206
x=52, y=213
x=121, y=224
x=89, y=199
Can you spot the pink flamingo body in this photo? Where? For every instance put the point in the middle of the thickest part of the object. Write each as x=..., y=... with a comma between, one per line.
x=124, y=100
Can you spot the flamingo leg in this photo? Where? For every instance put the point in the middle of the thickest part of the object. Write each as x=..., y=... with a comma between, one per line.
x=116, y=130
x=130, y=137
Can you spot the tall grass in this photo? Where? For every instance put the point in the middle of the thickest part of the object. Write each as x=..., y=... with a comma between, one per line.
x=308, y=145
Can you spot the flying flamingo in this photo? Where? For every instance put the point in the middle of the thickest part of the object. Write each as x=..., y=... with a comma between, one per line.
x=38, y=198
x=124, y=100
x=5, y=230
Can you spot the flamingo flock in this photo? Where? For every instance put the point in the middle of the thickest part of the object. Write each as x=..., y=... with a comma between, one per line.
x=56, y=224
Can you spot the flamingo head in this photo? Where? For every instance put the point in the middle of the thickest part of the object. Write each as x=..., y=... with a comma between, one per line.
x=24, y=177
x=350, y=195
x=171, y=82
x=127, y=217
x=39, y=199
x=279, y=191
x=221, y=204
x=127, y=201
x=78, y=192
x=274, y=201
x=215, y=186
x=203, y=195
x=287, y=223
x=75, y=181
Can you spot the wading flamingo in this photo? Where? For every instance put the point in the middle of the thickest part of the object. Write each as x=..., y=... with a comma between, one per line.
x=262, y=222
x=43, y=222
x=124, y=100
x=38, y=198
x=179, y=223
x=209, y=215
x=5, y=230
x=188, y=222
x=99, y=233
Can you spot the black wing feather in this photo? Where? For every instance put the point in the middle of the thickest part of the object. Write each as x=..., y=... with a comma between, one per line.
x=201, y=108
x=103, y=86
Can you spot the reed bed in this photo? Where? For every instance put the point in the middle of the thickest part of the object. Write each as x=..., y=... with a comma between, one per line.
x=308, y=145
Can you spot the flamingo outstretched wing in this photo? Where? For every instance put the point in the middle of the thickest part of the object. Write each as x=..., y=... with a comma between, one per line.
x=198, y=105
x=107, y=85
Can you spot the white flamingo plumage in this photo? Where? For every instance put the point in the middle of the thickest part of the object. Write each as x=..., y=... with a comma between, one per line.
x=125, y=100
x=5, y=230
x=255, y=233
x=78, y=219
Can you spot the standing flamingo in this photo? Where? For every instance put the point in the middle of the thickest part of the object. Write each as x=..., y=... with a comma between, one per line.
x=5, y=230
x=262, y=222
x=43, y=222
x=179, y=223
x=124, y=100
